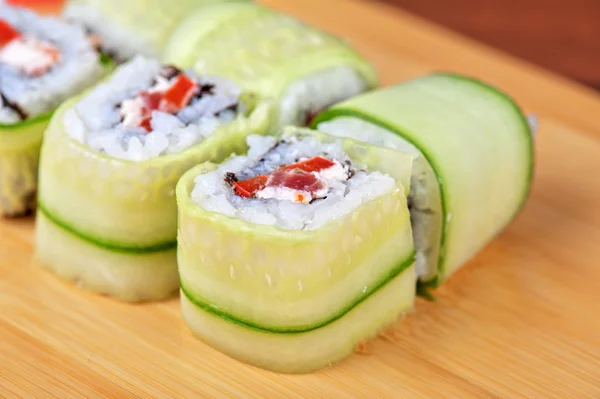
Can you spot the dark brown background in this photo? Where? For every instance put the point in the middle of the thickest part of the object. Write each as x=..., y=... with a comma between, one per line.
x=560, y=35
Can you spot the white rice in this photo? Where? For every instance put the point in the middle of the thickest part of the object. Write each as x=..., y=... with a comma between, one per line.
x=317, y=92
x=363, y=131
x=78, y=67
x=424, y=195
x=96, y=121
x=215, y=195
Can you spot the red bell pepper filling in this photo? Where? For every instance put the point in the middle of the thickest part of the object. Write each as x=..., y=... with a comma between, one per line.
x=297, y=176
x=7, y=33
x=151, y=103
x=146, y=123
x=179, y=94
x=247, y=188
x=175, y=98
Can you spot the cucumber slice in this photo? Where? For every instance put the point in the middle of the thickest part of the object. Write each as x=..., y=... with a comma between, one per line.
x=477, y=142
x=126, y=276
x=298, y=269
x=121, y=206
x=274, y=55
x=305, y=351
x=287, y=288
x=188, y=37
x=133, y=27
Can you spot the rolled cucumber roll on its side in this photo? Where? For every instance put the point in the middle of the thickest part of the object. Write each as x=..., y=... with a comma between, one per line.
x=110, y=160
x=474, y=160
x=131, y=27
x=275, y=55
x=43, y=61
x=291, y=255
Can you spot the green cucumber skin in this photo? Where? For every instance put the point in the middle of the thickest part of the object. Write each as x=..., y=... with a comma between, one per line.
x=341, y=110
x=214, y=309
x=16, y=127
x=308, y=351
x=21, y=136
x=107, y=245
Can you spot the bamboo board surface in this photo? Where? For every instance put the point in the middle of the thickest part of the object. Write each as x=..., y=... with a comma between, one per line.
x=519, y=321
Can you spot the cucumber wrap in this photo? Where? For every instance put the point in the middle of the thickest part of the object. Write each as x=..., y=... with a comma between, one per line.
x=298, y=300
x=133, y=27
x=273, y=55
x=19, y=156
x=477, y=149
x=122, y=214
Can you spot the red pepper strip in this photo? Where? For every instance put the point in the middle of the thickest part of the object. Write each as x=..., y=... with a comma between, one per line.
x=145, y=123
x=295, y=179
x=151, y=103
x=179, y=94
x=247, y=188
x=176, y=97
x=315, y=164
x=7, y=33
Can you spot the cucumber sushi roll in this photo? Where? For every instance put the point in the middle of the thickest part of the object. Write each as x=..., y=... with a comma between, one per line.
x=43, y=61
x=110, y=160
x=132, y=27
x=275, y=55
x=293, y=254
x=473, y=167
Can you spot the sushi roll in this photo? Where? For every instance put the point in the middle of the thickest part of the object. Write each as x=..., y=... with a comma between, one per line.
x=107, y=216
x=275, y=55
x=132, y=27
x=43, y=61
x=473, y=166
x=291, y=255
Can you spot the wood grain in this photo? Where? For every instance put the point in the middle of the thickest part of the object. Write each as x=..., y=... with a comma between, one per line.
x=519, y=321
x=563, y=36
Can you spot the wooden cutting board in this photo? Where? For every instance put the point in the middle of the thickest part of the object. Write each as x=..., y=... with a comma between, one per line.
x=521, y=320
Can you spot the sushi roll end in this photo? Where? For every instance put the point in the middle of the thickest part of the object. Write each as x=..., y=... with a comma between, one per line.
x=43, y=61
x=304, y=70
x=293, y=254
x=473, y=166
